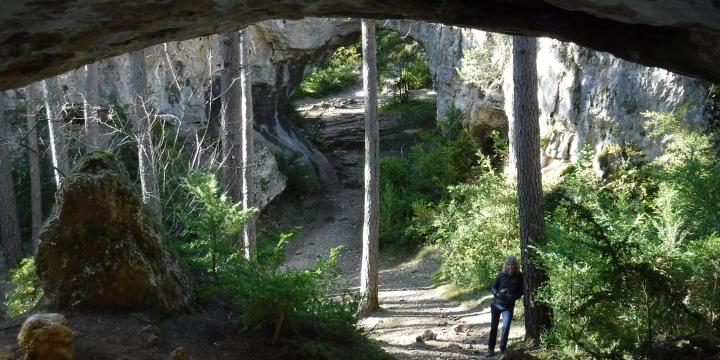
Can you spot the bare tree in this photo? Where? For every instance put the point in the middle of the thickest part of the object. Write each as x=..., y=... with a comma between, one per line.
x=9, y=222
x=142, y=117
x=31, y=108
x=369, y=271
x=92, y=102
x=231, y=111
x=248, y=161
x=54, y=102
x=526, y=147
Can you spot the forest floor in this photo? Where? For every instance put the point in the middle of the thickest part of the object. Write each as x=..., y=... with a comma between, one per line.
x=452, y=323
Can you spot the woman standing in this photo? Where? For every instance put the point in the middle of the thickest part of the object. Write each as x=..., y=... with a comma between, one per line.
x=507, y=288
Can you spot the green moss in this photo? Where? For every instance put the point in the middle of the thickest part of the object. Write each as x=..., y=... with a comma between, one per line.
x=99, y=162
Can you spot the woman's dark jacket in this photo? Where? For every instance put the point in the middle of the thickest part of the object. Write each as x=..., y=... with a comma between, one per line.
x=507, y=289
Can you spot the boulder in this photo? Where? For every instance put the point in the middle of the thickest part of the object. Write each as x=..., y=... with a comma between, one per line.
x=46, y=337
x=428, y=335
x=103, y=250
x=179, y=354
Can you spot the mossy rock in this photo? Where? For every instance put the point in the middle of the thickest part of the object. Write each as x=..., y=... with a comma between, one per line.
x=103, y=250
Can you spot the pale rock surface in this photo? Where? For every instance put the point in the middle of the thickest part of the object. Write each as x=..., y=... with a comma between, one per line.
x=586, y=97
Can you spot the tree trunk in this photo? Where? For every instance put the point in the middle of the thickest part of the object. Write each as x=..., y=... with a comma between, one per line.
x=231, y=111
x=9, y=222
x=248, y=161
x=369, y=272
x=54, y=102
x=33, y=160
x=143, y=131
x=92, y=102
x=526, y=135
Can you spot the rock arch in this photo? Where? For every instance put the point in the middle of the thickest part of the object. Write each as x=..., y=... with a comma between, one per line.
x=40, y=39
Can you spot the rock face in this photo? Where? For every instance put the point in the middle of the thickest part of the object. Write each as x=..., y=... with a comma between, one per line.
x=46, y=337
x=184, y=88
x=40, y=39
x=270, y=182
x=181, y=87
x=586, y=97
x=102, y=250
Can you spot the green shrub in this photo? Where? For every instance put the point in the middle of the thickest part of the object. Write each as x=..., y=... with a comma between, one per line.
x=338, y=73
x=416, y=73
x=301, y=178
x=407, y=185
x=296, y=302
x=476, y=227
x=414, y=112
x=292, y=305
x=402, y=63
x=452, y=126
x=631, y=261
x=212, y=224
x=26, y=290
x=632, y=258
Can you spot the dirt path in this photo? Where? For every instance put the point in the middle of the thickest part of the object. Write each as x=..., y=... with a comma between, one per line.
x=412, y=305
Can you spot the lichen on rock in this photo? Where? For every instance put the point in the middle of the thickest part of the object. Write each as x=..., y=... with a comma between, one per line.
x=102, y=250
x=46, y=337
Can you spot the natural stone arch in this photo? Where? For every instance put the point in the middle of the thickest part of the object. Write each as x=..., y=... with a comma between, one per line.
x=348, y=32
x=40, y=39
x=275, y=94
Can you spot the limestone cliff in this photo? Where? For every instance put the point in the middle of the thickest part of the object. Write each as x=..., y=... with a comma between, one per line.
x=586, y=97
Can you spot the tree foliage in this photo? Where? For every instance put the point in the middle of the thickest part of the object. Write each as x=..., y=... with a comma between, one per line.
x=483, y=67
x=336, y=74
x=409, y=185
x=633, y=260
x=26, y=291
x=476, y=227
x=213, y=222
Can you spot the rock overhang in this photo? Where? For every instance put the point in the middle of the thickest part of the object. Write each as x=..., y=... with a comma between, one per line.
x=39, y=39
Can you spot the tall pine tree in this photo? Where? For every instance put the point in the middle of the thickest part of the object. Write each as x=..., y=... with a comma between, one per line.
x=369, y=272
x=9, y=221
x=526, y=148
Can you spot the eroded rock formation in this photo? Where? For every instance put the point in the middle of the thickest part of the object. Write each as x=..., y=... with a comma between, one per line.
x=103, y=250
x=46, y=337
x=40, y=39
x=586, y=97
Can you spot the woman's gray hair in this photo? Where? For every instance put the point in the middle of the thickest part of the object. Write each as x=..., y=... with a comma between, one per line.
x=510, y=260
